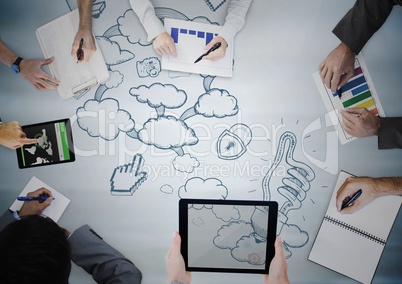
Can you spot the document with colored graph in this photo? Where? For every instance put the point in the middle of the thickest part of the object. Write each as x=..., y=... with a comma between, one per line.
x=358, y=92
x=190, y=39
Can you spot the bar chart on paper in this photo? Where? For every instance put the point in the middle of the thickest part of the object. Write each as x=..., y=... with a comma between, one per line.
x=358, y=92
x=190, y=39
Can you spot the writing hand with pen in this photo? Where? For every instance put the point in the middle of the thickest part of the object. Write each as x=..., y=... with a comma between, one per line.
x=216, y=49
x=36, y=207
x=83, y=46
x=355, y=193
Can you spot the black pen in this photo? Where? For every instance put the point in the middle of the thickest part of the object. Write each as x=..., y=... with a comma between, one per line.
x=213, y=48
x=339, y=93
x=352, y=199
x=80, y=52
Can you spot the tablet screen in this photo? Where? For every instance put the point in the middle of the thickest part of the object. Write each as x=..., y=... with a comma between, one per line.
x=55, y=144
x=228, y=235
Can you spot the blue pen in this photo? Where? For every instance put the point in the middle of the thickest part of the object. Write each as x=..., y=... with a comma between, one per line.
x=30, y=198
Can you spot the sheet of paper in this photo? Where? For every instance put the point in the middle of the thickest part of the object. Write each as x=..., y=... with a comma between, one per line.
x=56, y=39
x=55, y=210
x=358, y=92
x=343, y=241
x=190, y=39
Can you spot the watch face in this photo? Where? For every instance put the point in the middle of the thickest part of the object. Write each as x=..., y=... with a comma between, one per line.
x=15, y=68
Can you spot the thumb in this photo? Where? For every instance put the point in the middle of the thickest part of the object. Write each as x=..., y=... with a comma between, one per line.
x=211, y=44
x=47, y=61
x=176, y=242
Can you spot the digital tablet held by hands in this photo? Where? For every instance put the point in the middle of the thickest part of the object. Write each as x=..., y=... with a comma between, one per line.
x=55, y=144
x=227, y=235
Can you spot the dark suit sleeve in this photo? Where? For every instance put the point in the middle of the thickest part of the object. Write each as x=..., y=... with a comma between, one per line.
x=390, y=133
x=104, y=263
x=6, y=219
x=362, y=21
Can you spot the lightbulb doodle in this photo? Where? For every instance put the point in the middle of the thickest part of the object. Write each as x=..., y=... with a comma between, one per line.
x=292, y=187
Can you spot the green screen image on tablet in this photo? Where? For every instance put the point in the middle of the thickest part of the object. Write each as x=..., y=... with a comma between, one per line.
x=55, y=144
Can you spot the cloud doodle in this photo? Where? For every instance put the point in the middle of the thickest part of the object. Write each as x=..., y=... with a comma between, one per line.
x=185, y=163
x=198, y=188
x=158, y=95
x=167, y=132
x=104, y=119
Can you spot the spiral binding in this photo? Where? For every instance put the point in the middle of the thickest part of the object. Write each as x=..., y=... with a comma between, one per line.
x=355, y=230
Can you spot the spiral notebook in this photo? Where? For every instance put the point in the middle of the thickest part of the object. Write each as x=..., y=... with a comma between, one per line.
x=352, y=244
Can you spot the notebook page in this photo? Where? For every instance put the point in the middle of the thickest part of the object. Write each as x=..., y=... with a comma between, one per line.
x=348, y=244
x=346, y=252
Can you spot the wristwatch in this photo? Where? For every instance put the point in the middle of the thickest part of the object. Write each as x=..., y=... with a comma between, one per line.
x=16, y=65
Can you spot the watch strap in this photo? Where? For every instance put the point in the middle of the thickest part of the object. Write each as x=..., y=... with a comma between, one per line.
x=16, y=65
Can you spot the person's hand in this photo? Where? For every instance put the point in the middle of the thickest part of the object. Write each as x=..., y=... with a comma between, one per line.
x=88, y=44
x=31, y=70
x=359, y=122
x=175, y=263
x=164, y=44
x=278, y=269
x=218, y=53
x=338, y=67
x=350, y=187
x=36, y=207
x=12, y=136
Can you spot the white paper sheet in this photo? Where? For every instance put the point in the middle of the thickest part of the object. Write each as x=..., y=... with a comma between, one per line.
x=190, y=40
x=56, y=208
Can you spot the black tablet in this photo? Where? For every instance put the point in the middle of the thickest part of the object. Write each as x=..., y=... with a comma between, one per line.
x=55, y=144
x=227, y=235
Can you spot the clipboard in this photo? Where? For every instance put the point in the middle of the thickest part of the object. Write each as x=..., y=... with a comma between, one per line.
x=56, y=39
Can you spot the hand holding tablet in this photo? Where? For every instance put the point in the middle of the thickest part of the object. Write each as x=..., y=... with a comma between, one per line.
x=227, y=235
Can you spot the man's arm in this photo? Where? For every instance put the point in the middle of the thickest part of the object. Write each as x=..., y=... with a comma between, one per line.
x=371, y=189
x=84, y=32
x=354, y=30
x=359, y=122
x=362, y=21
x=28, y=207
x=6, y=219
x=103, y=262
x=30, y=69
x=390, y=133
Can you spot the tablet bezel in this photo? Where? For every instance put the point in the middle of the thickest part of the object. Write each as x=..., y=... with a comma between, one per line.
x=272, y=223
x=69, y=139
